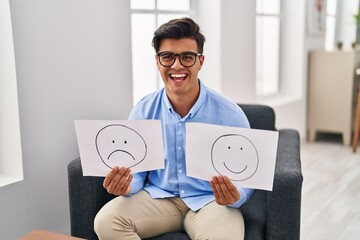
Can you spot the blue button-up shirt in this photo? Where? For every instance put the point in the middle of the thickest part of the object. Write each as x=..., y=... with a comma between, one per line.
x=172, y=181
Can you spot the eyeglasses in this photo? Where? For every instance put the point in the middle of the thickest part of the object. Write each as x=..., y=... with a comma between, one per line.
x=187, y=59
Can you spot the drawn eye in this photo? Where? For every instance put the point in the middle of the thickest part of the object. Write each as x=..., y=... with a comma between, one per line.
x=125, y=142
x=113, y=141
x=229, y=147
x=241, y=148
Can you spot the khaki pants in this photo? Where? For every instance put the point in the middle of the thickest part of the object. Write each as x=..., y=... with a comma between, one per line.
x=141, y=216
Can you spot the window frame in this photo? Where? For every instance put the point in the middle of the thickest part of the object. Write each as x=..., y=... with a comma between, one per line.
x=279, y=91
x=11, y=161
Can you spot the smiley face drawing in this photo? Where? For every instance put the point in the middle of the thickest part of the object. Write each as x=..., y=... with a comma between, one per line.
x=234, y=156
x=119, y=145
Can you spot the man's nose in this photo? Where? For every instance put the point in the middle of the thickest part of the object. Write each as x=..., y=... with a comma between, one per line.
x=177, y=64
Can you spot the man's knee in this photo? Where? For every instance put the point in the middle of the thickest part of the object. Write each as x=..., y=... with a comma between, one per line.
x=217, y=233
x=107, y=225
x=215, y=222
x=102, y=224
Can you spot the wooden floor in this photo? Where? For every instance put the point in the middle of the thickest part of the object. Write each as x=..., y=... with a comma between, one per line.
x=331, y=190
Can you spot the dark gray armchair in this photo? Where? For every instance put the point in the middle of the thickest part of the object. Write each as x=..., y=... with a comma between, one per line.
x=268, y=215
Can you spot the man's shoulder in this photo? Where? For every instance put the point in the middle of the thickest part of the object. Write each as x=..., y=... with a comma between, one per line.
x=151, y=98
x=221, y=101
x=147, y=105
x=226, y=112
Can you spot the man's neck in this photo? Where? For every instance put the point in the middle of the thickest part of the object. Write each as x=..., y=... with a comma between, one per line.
x=183, y=104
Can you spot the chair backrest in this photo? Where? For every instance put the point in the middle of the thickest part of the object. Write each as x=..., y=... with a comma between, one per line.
x=259, y=116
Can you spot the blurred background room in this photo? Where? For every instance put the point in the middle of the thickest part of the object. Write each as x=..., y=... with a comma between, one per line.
x=62, y=60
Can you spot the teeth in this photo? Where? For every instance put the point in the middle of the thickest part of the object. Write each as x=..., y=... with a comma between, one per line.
x=178, y=75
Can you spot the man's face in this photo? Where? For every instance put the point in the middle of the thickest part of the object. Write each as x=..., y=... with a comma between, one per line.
x=179, y=80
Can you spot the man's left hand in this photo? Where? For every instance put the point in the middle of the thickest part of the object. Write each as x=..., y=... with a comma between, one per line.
x=224, y=190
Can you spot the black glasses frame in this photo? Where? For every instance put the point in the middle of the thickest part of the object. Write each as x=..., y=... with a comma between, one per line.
x=174, y=55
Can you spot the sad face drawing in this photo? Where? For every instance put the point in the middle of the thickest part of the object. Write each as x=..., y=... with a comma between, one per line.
x=234, y=156
x=119, y=145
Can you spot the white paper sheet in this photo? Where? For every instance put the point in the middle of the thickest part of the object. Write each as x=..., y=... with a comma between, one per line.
x=104, y=144
x=246, y=156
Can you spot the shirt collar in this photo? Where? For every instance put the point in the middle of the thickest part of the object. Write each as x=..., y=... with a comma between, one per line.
x=195, y=108
x=199, y=101
x=167, y=102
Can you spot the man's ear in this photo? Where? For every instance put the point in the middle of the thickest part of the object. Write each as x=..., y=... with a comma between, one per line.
x=201, y=59
x=157, y=61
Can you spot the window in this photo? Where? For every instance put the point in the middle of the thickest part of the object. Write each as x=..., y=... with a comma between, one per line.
x=330, y=24
x=146, y=16
x=11, y=168
x=268, y=30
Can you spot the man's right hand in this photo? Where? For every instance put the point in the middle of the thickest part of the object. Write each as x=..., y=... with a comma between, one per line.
x=118, y=180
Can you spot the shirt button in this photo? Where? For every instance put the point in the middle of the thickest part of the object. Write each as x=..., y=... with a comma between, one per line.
x=180, y=171
x=179, y=124
x=182, y=191
x=179, y=148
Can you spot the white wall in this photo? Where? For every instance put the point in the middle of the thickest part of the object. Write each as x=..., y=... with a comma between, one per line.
x=231, y=34
x=229, y=28
x=73, y=60
x=238, y=50
x=291, y=106
x=208, y=15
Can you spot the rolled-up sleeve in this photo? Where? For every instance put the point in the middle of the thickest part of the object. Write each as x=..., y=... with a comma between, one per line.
x=137, y=182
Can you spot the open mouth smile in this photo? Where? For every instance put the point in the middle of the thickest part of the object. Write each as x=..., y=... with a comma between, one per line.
x=178, y=77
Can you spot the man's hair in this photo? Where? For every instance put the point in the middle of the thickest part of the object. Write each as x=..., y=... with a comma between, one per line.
x=178, y=29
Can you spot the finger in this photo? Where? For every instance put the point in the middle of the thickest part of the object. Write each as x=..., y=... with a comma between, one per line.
x=220, y=193
x=122, y=177
x=225, y=185
x=116, y=181
x=225, y=191
x=213, y=187
x=232, y=189
x=126, y=189
x=110, y=176
x=216, y=185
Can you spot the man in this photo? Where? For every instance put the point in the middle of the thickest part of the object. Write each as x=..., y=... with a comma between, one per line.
x=166, y=200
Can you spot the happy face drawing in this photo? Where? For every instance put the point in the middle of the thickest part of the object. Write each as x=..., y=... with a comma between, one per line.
x=119, y=145
x=234, y=156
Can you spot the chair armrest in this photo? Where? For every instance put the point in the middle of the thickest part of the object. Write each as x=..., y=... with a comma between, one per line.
x=86, y=197
x=284, y=202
